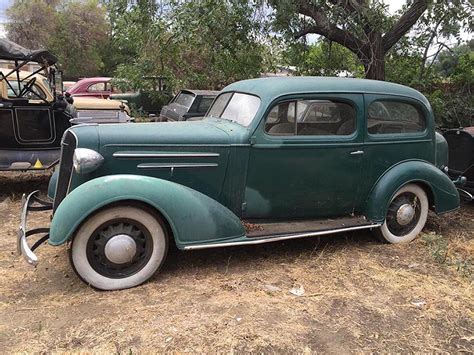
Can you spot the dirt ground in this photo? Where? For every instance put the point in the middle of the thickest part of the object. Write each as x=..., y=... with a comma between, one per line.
x=359, y=295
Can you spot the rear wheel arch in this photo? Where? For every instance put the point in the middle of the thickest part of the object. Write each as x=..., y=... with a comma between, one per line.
x=441, y=192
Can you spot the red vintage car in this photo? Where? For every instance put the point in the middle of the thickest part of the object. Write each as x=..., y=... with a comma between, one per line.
x=100, y=87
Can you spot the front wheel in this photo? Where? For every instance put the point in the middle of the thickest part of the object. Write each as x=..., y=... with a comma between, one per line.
x=406, y=215
x=119, y=247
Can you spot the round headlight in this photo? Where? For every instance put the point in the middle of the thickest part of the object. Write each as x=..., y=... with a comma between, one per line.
x=86, y=160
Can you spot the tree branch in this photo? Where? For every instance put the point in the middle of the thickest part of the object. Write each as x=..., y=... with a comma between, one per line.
x=323, y=27
x=405, y=22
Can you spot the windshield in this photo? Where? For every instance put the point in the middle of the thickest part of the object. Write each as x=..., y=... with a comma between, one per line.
x=237, y=107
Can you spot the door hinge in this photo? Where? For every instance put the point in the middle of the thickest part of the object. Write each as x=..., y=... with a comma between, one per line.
x=252, y=140
x=244, y=206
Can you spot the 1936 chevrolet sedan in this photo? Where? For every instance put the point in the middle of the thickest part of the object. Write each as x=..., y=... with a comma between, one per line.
x=274, y=159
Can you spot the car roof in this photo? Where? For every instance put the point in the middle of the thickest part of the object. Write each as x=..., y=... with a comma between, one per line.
x=94, y=79
x=271, y=88
x=201, y=92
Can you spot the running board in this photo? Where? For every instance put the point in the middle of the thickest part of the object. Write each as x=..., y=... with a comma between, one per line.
x=280, y=237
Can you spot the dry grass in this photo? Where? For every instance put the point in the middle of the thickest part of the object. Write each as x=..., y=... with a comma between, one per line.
x=360, y=295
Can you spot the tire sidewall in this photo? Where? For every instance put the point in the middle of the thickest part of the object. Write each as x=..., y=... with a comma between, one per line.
x=78, y=249
x=424, y=206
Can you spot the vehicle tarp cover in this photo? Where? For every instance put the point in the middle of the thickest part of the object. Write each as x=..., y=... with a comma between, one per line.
x=12, y=51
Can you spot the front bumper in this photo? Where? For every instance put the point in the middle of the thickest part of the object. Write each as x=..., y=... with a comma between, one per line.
x=31, y=203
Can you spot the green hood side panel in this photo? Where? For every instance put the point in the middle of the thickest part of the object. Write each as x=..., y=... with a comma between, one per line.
x=194, y=218
x=443, y=191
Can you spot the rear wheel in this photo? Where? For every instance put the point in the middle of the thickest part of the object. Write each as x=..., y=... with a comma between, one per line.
x=406, y=215
x=119, y=247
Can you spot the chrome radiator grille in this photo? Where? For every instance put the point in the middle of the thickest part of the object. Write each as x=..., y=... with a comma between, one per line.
x=68, y=145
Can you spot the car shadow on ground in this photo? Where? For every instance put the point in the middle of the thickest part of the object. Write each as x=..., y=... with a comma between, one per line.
x=242, y=258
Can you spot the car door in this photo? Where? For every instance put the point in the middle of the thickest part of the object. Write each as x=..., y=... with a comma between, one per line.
x=305, y=158
x=397, y=129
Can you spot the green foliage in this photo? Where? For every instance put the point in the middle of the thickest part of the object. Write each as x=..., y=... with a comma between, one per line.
x=203, y=44
x=324, y=58
x=74, y=30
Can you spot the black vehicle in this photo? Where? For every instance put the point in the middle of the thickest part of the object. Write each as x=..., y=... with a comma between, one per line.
x=461, y=158
x=188, y=104
x=31, y=128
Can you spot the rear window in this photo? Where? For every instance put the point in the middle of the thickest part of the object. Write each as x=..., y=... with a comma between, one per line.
x=205, y=104
x=184, y=99
x=387, y=117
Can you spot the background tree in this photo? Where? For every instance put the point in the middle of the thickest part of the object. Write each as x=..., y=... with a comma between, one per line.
x=74, y=30
x=364, y=27
x=31, y=23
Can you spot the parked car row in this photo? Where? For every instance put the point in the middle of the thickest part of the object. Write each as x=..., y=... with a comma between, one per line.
x=187, y=104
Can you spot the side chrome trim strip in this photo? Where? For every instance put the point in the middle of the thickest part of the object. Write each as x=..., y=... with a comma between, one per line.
x=176, y=165
x=163, y=155
x=269, y=239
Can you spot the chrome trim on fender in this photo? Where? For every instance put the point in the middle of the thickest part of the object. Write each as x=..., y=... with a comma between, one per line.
x=176, y=165
x=270, y=238
x=163, y=155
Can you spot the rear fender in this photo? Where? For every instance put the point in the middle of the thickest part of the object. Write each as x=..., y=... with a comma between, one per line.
x=194, y=218
x=440, y=188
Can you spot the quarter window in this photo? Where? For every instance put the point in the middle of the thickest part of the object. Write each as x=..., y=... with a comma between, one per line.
x=97, y=87
x=311, y=118
x=385, y=117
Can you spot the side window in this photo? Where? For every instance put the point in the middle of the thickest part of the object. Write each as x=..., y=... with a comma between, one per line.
x=386, y=117
x=96, y=87
x=313, y=118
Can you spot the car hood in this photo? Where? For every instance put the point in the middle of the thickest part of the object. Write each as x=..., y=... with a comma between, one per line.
x=188, y=133
x=194, y=154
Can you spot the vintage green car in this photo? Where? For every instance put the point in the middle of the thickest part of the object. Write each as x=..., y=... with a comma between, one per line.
x=274, y=159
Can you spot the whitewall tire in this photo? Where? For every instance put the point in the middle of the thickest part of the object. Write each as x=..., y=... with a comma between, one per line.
x=406, y=215
x=119, y=247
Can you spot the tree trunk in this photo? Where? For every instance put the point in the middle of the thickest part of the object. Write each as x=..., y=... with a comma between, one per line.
x=376, y=69
x=373, y=58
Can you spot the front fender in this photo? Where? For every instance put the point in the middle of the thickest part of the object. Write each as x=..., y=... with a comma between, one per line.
x=442, y=189
x=193, y=217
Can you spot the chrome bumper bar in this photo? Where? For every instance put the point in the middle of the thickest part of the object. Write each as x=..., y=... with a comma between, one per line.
x=31, y=203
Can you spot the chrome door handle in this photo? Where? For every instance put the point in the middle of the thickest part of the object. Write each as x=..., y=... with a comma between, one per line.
x=357, y=152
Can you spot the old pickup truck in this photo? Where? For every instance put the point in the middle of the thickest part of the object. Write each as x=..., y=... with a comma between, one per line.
x=274, y=159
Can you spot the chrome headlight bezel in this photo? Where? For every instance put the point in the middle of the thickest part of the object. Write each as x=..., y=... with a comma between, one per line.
x=86, y=160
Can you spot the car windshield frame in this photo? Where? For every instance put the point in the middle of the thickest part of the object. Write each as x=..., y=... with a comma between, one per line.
x=245, y=122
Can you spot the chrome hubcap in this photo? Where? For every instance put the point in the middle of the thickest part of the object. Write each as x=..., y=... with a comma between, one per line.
x=120, y=249
x=405, y=214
